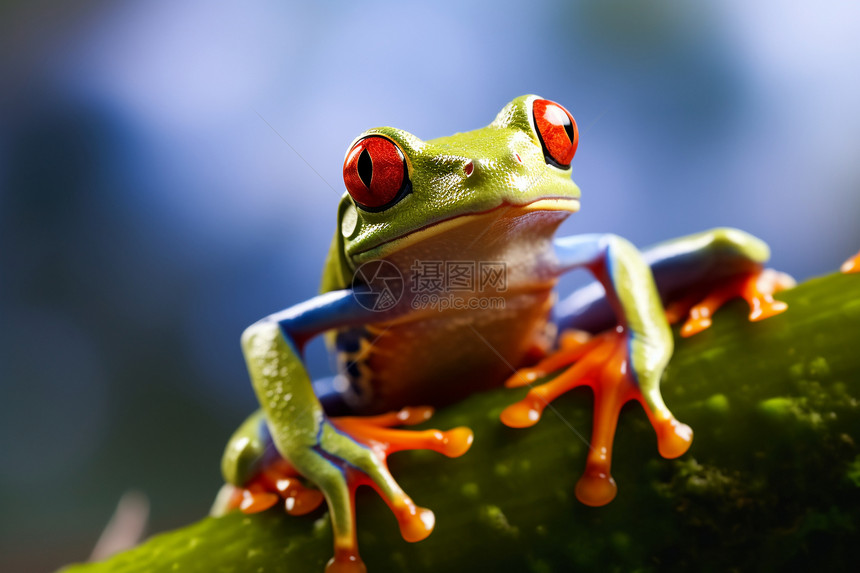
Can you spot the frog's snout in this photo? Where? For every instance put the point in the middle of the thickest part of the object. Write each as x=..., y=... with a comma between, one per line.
x=474, y=168
x=475, y=171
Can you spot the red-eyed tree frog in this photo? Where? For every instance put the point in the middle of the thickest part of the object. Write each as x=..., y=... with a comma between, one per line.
x=440, y=282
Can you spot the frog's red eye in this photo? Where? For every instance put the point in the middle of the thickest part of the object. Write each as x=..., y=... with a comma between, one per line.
x=557, y=132
x=375, y=173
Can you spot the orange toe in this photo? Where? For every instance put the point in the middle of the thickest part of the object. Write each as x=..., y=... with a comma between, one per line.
x=673, y=438
x=852, y=265
x=345, y=561
x=257, y=500
x=416, y=524
x=596, y=489
x=457, y=442
x=522, y=414
x=696, y=323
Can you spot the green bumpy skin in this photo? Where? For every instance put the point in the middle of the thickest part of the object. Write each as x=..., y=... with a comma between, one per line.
x=294, y=414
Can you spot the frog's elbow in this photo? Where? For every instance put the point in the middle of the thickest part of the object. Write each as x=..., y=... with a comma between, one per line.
x=259, y=335
x=613, y=242
x=615, y=247
x=244, y=450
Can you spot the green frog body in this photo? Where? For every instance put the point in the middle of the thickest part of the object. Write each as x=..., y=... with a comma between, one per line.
x=441, y=282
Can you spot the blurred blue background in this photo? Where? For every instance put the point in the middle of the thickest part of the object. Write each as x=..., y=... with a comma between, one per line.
x=148, y=213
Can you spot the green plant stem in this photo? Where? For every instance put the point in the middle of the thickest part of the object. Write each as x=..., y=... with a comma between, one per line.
x=772, y=481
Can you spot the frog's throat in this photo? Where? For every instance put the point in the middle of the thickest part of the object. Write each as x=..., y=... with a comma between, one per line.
x=558, y=204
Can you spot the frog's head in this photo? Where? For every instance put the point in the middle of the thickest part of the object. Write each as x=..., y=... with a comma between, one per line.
x=402, y=190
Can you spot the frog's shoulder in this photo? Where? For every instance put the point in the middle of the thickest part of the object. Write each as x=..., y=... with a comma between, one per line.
x=337, y=270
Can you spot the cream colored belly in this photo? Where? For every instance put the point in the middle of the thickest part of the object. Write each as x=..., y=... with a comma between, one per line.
x=435, y=358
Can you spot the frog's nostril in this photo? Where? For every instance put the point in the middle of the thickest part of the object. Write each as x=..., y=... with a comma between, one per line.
x=468, y=167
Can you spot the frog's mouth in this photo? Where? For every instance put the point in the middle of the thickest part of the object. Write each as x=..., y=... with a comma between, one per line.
x=557, y=209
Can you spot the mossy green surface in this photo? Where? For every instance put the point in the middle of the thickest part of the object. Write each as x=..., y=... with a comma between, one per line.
x=771, y=482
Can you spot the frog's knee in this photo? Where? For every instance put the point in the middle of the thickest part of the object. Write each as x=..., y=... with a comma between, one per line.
x=259, y=337
x=736, y=242
x=345, y=447
x=366, y=461
x=239, y=461
x=323, y=472
x=245, y=451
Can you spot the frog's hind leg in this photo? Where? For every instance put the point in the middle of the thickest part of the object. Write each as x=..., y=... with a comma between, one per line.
x=757, y=288
x=724, y=262
x=339, y=480
x=707, y=268
x=257, y=477
x=716, y=266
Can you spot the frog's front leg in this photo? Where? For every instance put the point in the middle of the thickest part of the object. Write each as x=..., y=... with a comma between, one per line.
x=337, y=455
x=621, y=365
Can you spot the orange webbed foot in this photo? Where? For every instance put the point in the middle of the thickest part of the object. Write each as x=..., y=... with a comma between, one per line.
x=378, y=434
x=602, y=363
x=756, y=288
x=280, y=480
